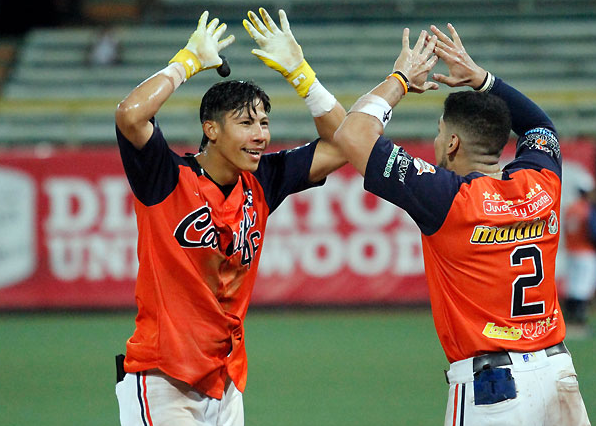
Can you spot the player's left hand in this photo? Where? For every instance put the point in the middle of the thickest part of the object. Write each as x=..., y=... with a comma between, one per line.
x=463, y=71
x=279, y=50
x=417, y=62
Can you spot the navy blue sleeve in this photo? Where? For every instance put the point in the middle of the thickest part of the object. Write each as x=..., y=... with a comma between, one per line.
x=152, y=171
x=424, y=191
x=538, y=144
x=286, y=172
x=525, y=114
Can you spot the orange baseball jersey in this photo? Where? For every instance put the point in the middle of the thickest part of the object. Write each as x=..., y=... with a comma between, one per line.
x=198, y=255
x=489, y=245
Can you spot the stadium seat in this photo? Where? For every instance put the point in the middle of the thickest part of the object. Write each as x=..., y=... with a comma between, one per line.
x=53, y=86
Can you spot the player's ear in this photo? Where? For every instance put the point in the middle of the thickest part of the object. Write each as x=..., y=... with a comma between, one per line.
x=453, y=144
x=211, y=129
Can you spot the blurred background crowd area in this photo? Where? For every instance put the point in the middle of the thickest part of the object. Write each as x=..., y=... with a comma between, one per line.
x=65, y=64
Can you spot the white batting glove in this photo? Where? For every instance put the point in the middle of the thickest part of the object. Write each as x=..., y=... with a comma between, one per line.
x=203, y=47
x=279, y=49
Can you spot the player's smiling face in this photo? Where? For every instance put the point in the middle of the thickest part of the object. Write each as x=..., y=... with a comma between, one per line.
x=242, y=139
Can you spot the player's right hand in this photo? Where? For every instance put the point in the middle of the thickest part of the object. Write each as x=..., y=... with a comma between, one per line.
x=462, y=69
x=203, y=47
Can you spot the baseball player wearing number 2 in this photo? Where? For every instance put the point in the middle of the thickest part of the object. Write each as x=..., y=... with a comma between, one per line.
x=489, y=234
x=201, y=220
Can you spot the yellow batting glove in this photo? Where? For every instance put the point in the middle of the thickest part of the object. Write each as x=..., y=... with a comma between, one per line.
x=279, y=49
x=301, y=78
x=189, y=60
x=203, y=47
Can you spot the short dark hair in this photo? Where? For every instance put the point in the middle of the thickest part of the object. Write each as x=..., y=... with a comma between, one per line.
x=231, y=95
x=484, y=119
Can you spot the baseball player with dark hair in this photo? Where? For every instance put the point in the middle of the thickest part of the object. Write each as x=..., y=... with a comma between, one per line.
x=489, y=234
x=201, y=221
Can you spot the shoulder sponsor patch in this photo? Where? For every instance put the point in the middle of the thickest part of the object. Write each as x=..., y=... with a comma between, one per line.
x=401, y=160
x=542, y=140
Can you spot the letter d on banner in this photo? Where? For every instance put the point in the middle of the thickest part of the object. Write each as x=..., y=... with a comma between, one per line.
x=17, y=227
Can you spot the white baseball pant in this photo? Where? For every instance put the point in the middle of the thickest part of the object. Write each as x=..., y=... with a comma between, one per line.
x=152, y=398
x=547, y=394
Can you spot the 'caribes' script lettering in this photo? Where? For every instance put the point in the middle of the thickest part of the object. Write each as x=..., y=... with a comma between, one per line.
x=200, y=219
x=244, y=241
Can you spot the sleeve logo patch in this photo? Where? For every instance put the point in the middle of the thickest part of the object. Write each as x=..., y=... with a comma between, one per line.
x=542, y=140
x=390, y=161
x=403, y=163
x=423, y=167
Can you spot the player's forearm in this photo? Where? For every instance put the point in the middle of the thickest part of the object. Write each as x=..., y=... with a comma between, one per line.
x=525, y=114
x=356, y=137
x=366, y=121
x=328, y=157
x=329, y=122
x=143, y=103
x=390, y=90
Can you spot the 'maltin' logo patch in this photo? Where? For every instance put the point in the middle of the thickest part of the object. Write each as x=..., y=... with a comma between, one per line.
x=520, y=231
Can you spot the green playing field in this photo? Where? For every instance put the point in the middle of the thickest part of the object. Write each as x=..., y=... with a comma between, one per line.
x=305, y=368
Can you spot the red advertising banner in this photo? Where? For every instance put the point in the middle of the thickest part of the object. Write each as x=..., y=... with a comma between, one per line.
x=68, y=235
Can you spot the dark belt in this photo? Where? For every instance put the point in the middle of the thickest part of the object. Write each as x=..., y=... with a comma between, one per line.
x=120, y=373
x=499, y=359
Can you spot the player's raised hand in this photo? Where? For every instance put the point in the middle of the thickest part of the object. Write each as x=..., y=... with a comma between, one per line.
x=279, y=49
x=463, y=71
x=417, y=62
x=203, y=47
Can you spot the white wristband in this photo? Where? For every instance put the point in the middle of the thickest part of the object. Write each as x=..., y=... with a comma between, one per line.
x=176, y=72
x=488, y=83
x=318, y=100
x=373, y=105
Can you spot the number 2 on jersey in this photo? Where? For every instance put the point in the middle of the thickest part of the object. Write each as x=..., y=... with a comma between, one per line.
x=518, y=307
